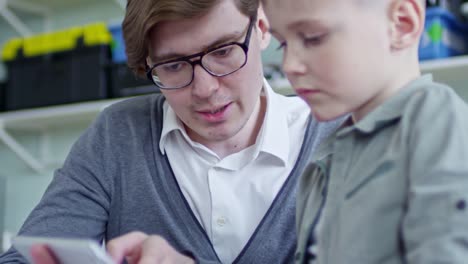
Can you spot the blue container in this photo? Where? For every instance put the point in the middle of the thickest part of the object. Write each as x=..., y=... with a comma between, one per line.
x=118, y=45
x=444, y=36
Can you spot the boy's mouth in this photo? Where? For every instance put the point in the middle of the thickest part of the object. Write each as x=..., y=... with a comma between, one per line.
x=305, y=91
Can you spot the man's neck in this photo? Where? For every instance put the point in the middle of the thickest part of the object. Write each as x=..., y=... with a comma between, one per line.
x=247, y=135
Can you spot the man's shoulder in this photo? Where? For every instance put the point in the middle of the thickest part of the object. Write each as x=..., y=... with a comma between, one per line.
x=135, y=105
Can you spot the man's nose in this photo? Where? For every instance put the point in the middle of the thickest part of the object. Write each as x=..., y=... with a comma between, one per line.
x=204, y=84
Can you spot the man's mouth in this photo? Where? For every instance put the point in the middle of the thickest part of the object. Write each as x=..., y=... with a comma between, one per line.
x=216, y=114
x=214, y=110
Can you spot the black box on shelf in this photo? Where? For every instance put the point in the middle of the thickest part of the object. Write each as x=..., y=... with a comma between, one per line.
x=2, y=96
x=58, y=78
x=125, y=83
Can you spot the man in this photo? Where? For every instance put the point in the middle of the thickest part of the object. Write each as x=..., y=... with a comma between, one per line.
x=210, y=165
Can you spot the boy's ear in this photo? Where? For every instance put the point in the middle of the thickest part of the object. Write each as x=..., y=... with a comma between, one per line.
x=263, y=26
x=407, y=23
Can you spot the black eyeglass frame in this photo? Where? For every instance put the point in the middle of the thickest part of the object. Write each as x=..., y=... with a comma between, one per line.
x=244, y=45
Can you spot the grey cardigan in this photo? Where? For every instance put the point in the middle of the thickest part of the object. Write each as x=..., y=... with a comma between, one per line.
x=115, y=180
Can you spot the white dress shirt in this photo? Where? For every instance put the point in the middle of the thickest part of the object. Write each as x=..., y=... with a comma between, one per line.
x=230, y=196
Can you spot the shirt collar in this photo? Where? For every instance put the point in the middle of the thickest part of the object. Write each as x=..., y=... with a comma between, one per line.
x=171, y=123
x=273, y=137
x=390, y=110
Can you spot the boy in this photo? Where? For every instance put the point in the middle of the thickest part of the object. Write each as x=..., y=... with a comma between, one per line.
x=210, y=166
x=390, y=186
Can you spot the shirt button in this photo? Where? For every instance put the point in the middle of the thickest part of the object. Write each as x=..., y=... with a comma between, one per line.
x=221, y=221
x=298, y=256
x=461, y=205
x=293, y=117
x=311, y=256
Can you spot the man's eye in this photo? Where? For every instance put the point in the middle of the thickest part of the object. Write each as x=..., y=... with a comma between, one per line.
x=173, y=67
x=222, y=52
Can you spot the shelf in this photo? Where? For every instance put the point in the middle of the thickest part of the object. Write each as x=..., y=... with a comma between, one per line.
x=41, y=120
x=10, y=10
x=7, y=8
x=448, y=69
x=451, y=71
x=61, y=4
x=457, y=63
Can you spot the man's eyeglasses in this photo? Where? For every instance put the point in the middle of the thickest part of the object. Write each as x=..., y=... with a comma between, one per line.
x=219, y=61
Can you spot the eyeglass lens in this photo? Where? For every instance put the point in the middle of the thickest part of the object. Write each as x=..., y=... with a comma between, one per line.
x=218, y=62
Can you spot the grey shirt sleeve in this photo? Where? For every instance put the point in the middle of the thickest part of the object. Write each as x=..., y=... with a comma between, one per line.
x=435, y=226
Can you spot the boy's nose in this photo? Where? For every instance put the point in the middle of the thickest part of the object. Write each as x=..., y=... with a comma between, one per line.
x=204, y=84
x=292, y=63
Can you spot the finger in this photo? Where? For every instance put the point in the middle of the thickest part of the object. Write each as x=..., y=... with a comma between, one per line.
x=126, y=245
x=155, y=250
x=41, y=254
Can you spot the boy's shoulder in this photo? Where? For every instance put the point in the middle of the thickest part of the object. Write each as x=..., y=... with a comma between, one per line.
x=435, y=101
x=435, y=96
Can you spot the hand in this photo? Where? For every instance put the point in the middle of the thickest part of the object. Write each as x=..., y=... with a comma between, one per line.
x=42, y=255
x=139, y=248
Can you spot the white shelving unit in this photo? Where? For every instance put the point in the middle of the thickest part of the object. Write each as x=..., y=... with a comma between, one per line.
x=59, y=4
x=7, y=8
x=43, y=8
x=27, y=135
x=41, y=121
x=34, y=142
x=452, y=71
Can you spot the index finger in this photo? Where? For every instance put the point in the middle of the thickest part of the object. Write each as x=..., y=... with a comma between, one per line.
x=126, y=245
x=41, y=254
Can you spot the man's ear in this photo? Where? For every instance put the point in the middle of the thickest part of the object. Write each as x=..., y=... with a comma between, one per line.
x=262, y=28
x=148, y=62
x=407, y=23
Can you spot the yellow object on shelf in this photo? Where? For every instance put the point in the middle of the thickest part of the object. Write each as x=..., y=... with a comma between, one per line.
x=11, y=49
x=57, y=41
x=64, y=40
x=96, y=34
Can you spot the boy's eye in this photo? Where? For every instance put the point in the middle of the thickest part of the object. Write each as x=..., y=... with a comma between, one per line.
x=281, y=46
x=314, y=41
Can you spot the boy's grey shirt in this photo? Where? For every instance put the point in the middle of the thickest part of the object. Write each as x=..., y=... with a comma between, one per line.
x=115, y=180
x=397, y=190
